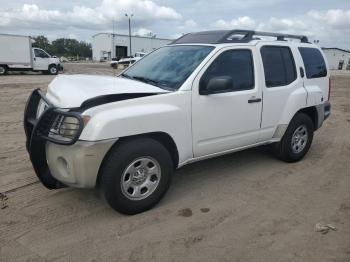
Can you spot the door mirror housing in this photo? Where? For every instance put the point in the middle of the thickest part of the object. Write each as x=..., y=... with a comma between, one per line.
x=217, y=85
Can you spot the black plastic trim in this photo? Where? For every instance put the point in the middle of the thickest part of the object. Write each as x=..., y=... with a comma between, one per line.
x=254, y=100
x=105, y=99
x=327, y=109
x=36, y=144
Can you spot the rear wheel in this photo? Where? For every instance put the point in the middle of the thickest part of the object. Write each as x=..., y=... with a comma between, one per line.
x=136, y=175
x=3, y=70
x=297, y=139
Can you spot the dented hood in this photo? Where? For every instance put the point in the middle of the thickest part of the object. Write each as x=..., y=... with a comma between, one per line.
x=70, y=91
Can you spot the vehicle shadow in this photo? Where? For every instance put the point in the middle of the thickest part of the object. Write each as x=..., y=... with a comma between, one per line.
x=221, y=167
x=24, y=73
x=186, y=180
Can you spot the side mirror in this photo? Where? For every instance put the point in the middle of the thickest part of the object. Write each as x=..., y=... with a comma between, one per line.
x=217, y=85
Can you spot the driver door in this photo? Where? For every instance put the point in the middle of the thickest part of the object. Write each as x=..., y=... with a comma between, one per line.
x=231, y=118
x=41, y=59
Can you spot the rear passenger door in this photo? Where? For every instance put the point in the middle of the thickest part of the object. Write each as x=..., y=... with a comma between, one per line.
x=282, y=81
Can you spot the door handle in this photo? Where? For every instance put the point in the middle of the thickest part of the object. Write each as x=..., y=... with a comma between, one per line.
x=254, y=100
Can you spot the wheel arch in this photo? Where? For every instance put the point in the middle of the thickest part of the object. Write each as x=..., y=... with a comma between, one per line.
x=165, y=139
x=312, y=113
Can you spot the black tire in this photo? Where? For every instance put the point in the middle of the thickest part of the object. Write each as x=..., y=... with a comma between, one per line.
x=3, y=70
x=284, y=149
x=119, y=159
x=53, y=70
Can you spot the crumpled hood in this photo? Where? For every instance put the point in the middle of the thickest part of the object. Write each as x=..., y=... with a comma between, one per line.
x=68, y=91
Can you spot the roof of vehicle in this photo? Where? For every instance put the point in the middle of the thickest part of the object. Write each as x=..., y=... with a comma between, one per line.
x=15, y=35
x=233, y=36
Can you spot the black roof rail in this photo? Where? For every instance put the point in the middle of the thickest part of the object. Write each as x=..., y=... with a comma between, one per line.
x=233, y=36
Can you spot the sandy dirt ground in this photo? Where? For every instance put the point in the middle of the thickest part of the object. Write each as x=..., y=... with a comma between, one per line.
x=246, y=206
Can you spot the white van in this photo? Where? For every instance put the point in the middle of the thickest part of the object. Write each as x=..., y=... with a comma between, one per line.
x=17, y=54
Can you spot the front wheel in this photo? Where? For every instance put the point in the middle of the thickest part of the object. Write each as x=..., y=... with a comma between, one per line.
x=53, y=70
x=136, y=175
x=3, y=70
x=296, y=140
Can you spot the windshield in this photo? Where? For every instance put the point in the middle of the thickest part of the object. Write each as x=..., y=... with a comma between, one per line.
x=168, y=67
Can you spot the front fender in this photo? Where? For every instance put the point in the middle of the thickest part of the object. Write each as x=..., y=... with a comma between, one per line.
x=169, y=113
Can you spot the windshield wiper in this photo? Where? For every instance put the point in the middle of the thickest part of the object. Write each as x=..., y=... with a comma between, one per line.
x=146, y=80
x=126, y=76
x=141, y=78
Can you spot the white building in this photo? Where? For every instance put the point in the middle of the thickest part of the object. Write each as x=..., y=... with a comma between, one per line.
x=338, y=59
x=106, y=46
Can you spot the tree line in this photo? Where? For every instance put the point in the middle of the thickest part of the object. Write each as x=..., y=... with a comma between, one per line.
x=64, y=47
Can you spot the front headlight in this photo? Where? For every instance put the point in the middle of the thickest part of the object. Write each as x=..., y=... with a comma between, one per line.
x=68, y=127
x=57, y=125
x=61, y=127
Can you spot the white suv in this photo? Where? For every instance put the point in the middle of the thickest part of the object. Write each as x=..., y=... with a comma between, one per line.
x=204, y=95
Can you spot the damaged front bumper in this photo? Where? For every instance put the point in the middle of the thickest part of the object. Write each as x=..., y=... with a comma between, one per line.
x=57, y=156
x=77, y=165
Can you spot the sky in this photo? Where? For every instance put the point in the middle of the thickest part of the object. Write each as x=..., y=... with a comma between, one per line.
x=325, y=20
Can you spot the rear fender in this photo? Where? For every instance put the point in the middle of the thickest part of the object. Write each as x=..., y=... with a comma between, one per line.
x=314, y=96
x=296, y=101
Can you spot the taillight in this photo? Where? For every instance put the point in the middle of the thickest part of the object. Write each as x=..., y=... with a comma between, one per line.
x=329, y=89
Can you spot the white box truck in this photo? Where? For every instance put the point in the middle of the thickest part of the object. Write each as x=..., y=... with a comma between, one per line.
x=17, y=54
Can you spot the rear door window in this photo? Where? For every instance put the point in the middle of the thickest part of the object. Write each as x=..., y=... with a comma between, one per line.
x=279, y=65
x=314, y=63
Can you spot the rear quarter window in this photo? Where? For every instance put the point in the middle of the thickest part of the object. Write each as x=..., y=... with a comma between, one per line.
x=314, y=63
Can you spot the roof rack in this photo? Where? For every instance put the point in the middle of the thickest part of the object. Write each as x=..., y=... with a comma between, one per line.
x=232, y=36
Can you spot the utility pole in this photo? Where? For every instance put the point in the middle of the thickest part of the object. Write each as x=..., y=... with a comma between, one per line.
x=113, y=46
x=129, y=18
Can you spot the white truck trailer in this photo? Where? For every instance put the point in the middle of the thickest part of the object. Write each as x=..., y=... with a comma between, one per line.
x=17, y=54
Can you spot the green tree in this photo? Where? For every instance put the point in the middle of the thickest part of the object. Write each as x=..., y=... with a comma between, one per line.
x=42, y=42
x=85, y=49
x=71, y=47
x=64, y=47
